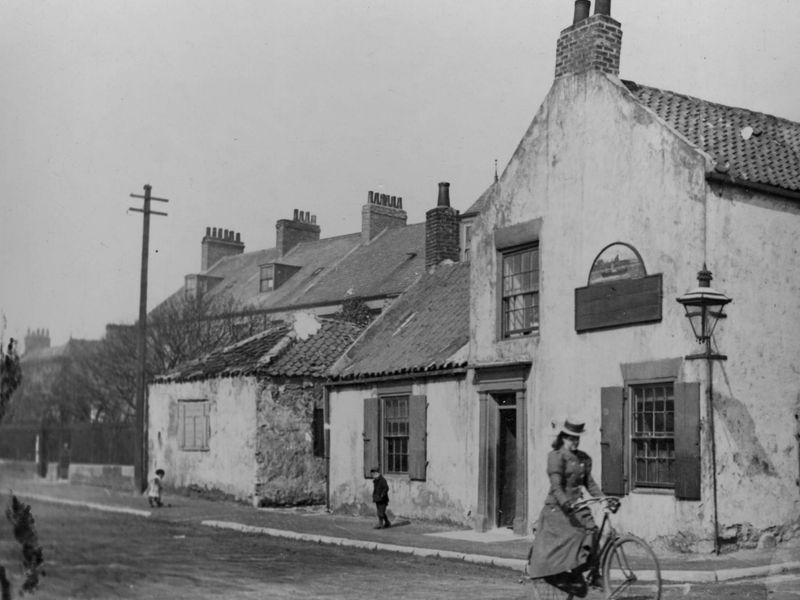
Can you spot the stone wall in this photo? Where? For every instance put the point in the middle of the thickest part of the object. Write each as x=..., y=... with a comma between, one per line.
x=287, y=472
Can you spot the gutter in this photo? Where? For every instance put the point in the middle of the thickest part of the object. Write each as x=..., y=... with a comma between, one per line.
x=403, y=375
x=750, y=185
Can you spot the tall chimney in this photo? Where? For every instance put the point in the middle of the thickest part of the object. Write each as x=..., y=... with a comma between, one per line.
x=590, y=43
x=381, y=212
x=290, y=232
x=36, y=339
x=217, y=244
x=441, y=230
x=581, y=10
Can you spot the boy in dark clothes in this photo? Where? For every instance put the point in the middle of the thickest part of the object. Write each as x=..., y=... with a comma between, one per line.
x=380, y=496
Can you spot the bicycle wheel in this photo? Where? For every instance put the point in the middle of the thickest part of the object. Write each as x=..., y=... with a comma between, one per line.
x=630, y=570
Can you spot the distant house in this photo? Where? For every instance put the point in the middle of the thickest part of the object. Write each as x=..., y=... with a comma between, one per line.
x=248, y=420
x=251, y=440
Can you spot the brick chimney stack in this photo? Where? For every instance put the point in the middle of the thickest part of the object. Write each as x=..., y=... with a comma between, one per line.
x=591, y=42
x=36, y=339
x=441, y=230
x=381, y=212
x=219, y=243
x=290, y=232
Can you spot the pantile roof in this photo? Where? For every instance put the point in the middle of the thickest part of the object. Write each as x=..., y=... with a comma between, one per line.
x=277, y=351
x=422, y=331
x=747, y=146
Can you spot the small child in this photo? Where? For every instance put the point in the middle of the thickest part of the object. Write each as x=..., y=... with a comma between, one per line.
x=154, y=491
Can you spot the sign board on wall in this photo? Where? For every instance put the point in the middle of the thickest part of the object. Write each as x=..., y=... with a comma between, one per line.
x=619, y=292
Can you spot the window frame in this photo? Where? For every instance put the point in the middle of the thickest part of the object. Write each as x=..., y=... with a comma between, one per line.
x=534, y=290
x=204, y=417
x=634, y=437
x=262, y=279
x=389, y=457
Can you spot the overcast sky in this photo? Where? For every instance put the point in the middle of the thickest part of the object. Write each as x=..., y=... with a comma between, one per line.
x=239, y=111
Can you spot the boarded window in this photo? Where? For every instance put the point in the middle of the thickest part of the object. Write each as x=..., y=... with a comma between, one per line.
x=195, y=425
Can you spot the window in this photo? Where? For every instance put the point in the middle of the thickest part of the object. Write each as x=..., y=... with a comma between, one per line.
x=194, y=424
x=467, y=242
x=650, y=438
x=267, y=280
x=190, y=288
x=395, y=435
x=653, y=435
x=520, y=292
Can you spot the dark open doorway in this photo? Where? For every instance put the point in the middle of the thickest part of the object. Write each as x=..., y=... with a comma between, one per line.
x=506, y=460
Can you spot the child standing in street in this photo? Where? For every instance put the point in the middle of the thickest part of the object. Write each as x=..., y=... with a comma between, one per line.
x=154, y=491
x=380, y=496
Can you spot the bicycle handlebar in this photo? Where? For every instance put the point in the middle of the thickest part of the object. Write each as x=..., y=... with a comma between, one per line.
x=612, y=504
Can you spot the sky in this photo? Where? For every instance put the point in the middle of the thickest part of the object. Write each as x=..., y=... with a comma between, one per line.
x=240, y=111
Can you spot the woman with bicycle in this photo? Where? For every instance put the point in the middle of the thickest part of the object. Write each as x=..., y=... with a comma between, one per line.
x=564, y=535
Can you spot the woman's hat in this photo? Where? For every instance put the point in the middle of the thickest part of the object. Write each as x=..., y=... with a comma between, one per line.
x=573, y=427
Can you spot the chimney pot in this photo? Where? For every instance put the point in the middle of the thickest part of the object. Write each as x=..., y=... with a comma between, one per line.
x=369, y=197
x=313, y=219
x=295, y=214
x=444, y=194
x=399, y=202
x=581, y=10
x=208, y=231
x=602, y=7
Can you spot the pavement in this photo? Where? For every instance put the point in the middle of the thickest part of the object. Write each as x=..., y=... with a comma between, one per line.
x=498, y=547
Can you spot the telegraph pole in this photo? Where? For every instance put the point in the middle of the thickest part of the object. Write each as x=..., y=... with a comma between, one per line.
x=140, y=441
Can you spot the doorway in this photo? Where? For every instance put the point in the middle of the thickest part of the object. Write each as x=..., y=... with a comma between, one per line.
x=506, y=469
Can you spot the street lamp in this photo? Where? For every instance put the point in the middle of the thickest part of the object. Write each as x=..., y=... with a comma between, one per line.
x=704, y=308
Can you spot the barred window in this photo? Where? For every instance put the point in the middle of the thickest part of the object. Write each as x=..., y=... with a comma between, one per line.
x=653, y=435
x=395, y=433
x=520, y=292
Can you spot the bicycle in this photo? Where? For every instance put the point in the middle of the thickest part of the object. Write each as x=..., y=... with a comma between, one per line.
x=621, y=564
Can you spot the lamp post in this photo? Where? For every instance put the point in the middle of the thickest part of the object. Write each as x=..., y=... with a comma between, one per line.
x=704, y=308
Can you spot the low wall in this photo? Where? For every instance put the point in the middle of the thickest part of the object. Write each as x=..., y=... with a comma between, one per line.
x=115, y=477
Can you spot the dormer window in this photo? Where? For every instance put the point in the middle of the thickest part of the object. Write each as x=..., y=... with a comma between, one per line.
x=267, y=280
x=274, y=275
x=196, y=286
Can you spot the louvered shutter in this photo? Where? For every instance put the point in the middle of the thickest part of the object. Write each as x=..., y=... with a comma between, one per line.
x=371, y=435
x=687, y=441
x=417, y=437
x=612, y=441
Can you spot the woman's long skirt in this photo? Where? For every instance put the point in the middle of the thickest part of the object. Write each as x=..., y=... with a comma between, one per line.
x=562, y=542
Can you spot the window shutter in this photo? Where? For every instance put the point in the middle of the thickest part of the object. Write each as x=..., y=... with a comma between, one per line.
x=181, y=425
x=612, y=440
x=417, y=437
x=207, y=424
x=687, y=441
x=371, y=436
